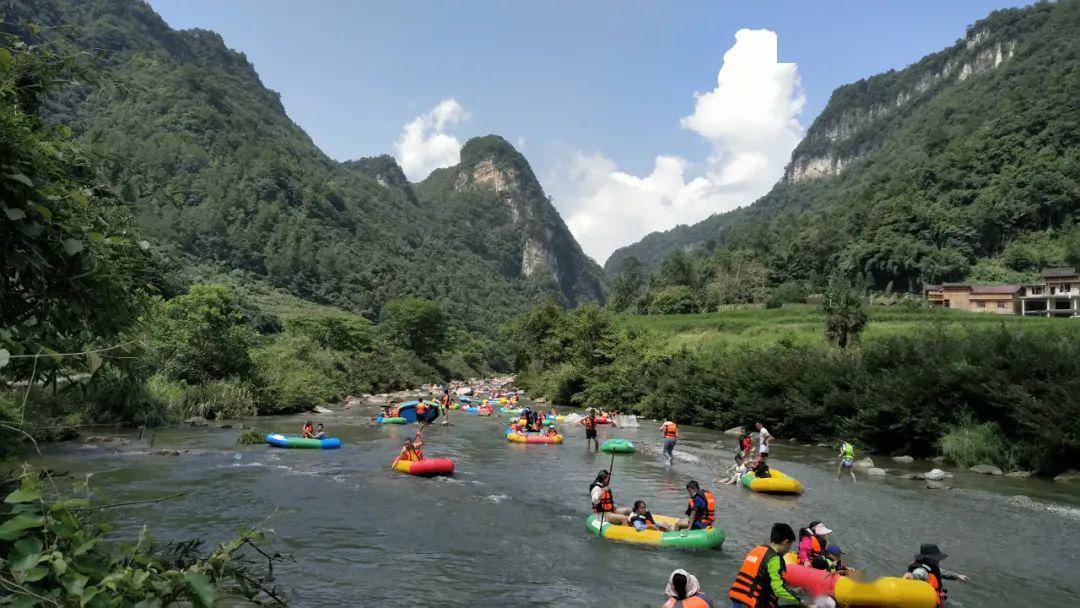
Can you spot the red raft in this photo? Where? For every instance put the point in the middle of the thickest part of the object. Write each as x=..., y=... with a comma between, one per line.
x=426, y=467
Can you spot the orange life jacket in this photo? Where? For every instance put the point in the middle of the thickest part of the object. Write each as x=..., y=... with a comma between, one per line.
x=690, y=602
x=309, y=431
x=607, y=502
x=421, y=407
x=934, y=579
x=410, y=454
x=670, y=430
x=752, y=586
x=710, y=511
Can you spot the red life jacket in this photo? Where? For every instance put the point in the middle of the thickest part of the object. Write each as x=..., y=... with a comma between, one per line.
x=752, y=586
x=421, y=407
x=710, y=511
x=607, y=501
x=309, y=431
x=690, y=602
x=590, y=423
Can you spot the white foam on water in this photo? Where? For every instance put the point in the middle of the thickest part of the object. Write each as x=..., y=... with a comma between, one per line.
x=497, y=498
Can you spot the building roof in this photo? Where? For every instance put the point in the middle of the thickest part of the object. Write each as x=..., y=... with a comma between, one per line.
x=1052, y=273
x=989, y=289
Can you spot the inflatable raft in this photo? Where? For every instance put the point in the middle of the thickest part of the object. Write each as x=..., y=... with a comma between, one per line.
x=426, y=467
x=778, y=483
x=510, y=410
x=603, y=420
x=292, y=441
x=618, y=446
x=885, y=592
x=709, y=538
x=391, y=420
x=532, y=437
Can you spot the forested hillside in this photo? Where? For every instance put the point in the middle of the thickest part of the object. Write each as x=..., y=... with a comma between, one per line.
x=215, y=172
x=965, y=165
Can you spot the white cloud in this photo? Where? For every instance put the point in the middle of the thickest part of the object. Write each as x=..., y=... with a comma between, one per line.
x=424, y=145
x=751, y=122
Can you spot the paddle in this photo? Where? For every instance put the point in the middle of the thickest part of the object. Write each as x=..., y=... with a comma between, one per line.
x=611, y=469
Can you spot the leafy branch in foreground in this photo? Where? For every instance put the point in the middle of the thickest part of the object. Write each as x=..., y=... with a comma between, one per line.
x=56, y=552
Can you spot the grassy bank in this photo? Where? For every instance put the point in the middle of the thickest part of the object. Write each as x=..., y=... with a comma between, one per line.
x=920, y=382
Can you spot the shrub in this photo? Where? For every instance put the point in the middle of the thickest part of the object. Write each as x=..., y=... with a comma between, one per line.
x=251, y=437
x=295, y=374
x=217, y=400
x=969, y=443
x=203, y=335
x=674, y=300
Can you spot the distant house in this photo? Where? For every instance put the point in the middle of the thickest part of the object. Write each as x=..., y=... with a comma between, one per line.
x=994, y=299
x=1058, y=295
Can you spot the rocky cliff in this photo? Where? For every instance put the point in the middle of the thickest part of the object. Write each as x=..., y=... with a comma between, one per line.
x=859, y=115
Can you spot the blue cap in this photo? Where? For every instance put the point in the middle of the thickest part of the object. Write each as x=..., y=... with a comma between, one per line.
x=833, y=550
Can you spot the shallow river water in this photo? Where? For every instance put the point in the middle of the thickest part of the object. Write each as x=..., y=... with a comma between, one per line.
x=508, y=528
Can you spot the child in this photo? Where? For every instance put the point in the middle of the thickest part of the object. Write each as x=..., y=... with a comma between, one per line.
x=308, y=431
x=551, y=431
x=736, y=471
x=409, y=452
x=642, y=519
x=760, y=467
x=320, y=433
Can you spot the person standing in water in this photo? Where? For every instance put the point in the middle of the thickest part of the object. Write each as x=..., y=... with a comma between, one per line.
x=764, y=439
x=444, y=401
x=671, y=437
x=760, y=582
x=847, y=460
x=589, y=422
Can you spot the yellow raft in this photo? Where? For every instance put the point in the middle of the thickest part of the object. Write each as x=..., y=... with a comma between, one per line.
x=885, y=592
x=778, y=483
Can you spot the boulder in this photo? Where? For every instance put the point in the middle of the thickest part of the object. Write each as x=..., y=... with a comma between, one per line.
x=875, y=472
x=865, y=463
x=1072, y=475
x=734, y=431
x=1018, y=474
x=903, y=459
x=319, y=409
x=169, y=452
x=937, y=459
x=937, y=485
x=197, y=421
x=823, y=445
x=937, y=475
x=985, y=469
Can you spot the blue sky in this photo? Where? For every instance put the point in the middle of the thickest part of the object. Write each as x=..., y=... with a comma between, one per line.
x=588, y=90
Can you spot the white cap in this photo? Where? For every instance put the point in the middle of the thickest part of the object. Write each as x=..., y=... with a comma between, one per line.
x=821, y=530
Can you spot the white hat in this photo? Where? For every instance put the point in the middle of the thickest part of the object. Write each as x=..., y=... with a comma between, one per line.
x=821, y=530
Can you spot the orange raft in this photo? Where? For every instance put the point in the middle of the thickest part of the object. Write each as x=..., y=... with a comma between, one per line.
x=425, y=468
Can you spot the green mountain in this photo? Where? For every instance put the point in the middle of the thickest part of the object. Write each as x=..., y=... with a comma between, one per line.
x=965, y=164
x=219, y=175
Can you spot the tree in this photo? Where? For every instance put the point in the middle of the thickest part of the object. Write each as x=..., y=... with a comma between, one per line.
x=203, y=335
x=627, y=286
x=844, y=314
x=1071, y=242
x=416, y=324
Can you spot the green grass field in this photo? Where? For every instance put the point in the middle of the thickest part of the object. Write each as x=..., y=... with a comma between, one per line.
x=804, y=324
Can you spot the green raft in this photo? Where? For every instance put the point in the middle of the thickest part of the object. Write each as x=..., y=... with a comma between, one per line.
x=618, y=446
x=708, y=538
x=392, y=420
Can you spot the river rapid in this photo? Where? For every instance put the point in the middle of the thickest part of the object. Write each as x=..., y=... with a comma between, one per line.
x=508, y=528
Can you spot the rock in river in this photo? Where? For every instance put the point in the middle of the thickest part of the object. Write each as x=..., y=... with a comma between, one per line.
x=985, y=469
x=937, y=475
x=197, y=421
x=875, y=472
x=1071, y=475
x=735, y=431
x=318, y=409
x=865, y=463
x=903, y=459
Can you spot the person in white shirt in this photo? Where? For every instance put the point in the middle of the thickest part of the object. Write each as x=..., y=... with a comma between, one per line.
x=735, y=471
x=764, y=439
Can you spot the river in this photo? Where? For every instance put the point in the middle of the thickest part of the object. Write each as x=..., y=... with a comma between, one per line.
x=508, y=528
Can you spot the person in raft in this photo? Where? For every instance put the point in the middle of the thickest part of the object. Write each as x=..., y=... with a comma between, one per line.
x=320, y=432
x=643, y=520
x=671, y=437
x=589, y=422
x=847, y=460
x=700, y=509
x=308, y=431
x=552, y=431
x=603, y=502
x=411, y=452
x=813, y=540
x=832, y=561
x=760, y=467
x=760, y=582
x=735, y=471
x=684, y=591
x=927, y=567
x=764, y=439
